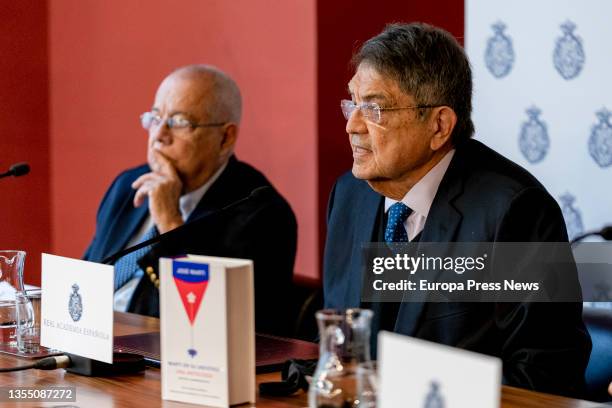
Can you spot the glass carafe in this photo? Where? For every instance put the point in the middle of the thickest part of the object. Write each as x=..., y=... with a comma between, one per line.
x=344, y=337
x=11, y=284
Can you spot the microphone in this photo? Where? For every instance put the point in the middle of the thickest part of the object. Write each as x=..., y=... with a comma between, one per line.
x=256, y=193
x=16, y=170
x=605, y=233
x=132, y=363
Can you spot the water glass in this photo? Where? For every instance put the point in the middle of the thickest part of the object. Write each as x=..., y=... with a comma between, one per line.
x=367, y=384
x=344, y=344
x=11, y=283
x=28, y=321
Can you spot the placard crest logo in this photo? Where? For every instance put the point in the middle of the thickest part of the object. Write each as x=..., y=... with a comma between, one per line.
x=434, y=399
x=75, y=304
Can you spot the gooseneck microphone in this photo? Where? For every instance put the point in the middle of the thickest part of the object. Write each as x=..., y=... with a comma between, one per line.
x=126, y=362
x=255, y=194
x=605, y=233
x=16, y=170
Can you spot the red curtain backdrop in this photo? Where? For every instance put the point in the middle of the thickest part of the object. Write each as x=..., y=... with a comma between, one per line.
x=25, y=212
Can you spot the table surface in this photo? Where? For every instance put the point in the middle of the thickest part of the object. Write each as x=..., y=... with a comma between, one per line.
x=143, y=390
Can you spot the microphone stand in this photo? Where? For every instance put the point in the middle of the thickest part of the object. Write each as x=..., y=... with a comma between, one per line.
x=605, y=233
x=114, y=257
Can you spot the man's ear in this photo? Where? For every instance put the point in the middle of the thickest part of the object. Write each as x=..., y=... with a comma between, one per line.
x=230, y=135
x=443, y=122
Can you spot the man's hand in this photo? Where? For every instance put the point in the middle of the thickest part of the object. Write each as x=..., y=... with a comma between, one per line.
x=163, y=187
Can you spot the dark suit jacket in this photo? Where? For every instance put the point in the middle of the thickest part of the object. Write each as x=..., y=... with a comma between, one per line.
x=483, y=197
x=263, y=229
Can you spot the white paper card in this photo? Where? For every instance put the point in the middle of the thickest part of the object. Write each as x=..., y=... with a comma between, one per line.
x=419, y=373
x=77, y=307
x=207, y=330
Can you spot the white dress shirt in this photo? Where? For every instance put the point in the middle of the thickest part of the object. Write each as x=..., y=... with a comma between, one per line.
x=187, y=203
x=420, y=197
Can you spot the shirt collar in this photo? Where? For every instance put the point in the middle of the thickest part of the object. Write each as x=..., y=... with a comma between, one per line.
x=189, y=201
x=420, y=197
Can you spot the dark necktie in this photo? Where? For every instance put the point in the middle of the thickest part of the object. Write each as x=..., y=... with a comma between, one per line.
x=127, y=265
x=395, y=231
x=385, y=313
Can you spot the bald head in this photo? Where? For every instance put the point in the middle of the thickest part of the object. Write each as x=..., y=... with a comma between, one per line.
x=223, y=102
x=210, y=102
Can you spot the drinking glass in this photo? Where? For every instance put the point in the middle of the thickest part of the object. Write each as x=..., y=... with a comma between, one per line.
x=28, y=321
x=344, y=344
x=367, y=385
x=11, y=284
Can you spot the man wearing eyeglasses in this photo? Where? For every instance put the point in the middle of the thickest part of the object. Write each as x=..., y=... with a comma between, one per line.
x=418, y=176
x=190, y=176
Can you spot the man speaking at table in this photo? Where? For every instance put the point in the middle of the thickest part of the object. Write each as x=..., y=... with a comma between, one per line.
x=191, y=175
x=418, y=176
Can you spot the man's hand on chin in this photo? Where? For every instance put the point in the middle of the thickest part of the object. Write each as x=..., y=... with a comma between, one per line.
x=163, y=187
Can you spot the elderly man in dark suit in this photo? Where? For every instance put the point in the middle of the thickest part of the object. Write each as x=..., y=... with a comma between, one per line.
x=191, y=175
x=418, y=176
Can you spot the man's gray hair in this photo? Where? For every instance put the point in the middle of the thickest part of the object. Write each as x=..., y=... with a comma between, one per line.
x=428, y=64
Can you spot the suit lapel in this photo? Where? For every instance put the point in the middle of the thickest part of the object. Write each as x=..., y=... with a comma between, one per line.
x=219, y=194
x=125, y=226
x=442, y=223
x=366, y=214
x=130, y=218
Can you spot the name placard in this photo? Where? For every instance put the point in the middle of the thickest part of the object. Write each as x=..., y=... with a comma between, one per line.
x=419, y=373
x=77, y=307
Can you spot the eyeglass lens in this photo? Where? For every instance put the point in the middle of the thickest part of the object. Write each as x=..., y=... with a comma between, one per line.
x=369, y=111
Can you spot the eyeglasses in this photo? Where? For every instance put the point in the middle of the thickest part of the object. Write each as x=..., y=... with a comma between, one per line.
x=177, y=121
x=372, y=110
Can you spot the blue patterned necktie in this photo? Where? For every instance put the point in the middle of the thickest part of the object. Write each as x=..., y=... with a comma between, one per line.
x=395, y=231
x=127, y=265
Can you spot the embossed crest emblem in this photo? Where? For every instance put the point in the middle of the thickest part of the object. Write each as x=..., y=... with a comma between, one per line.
x=573, y=218
x=499, y=54
x=533, y=140
x=434, y=398
x=568, y=56
x=75, y=304
x=600, y=141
